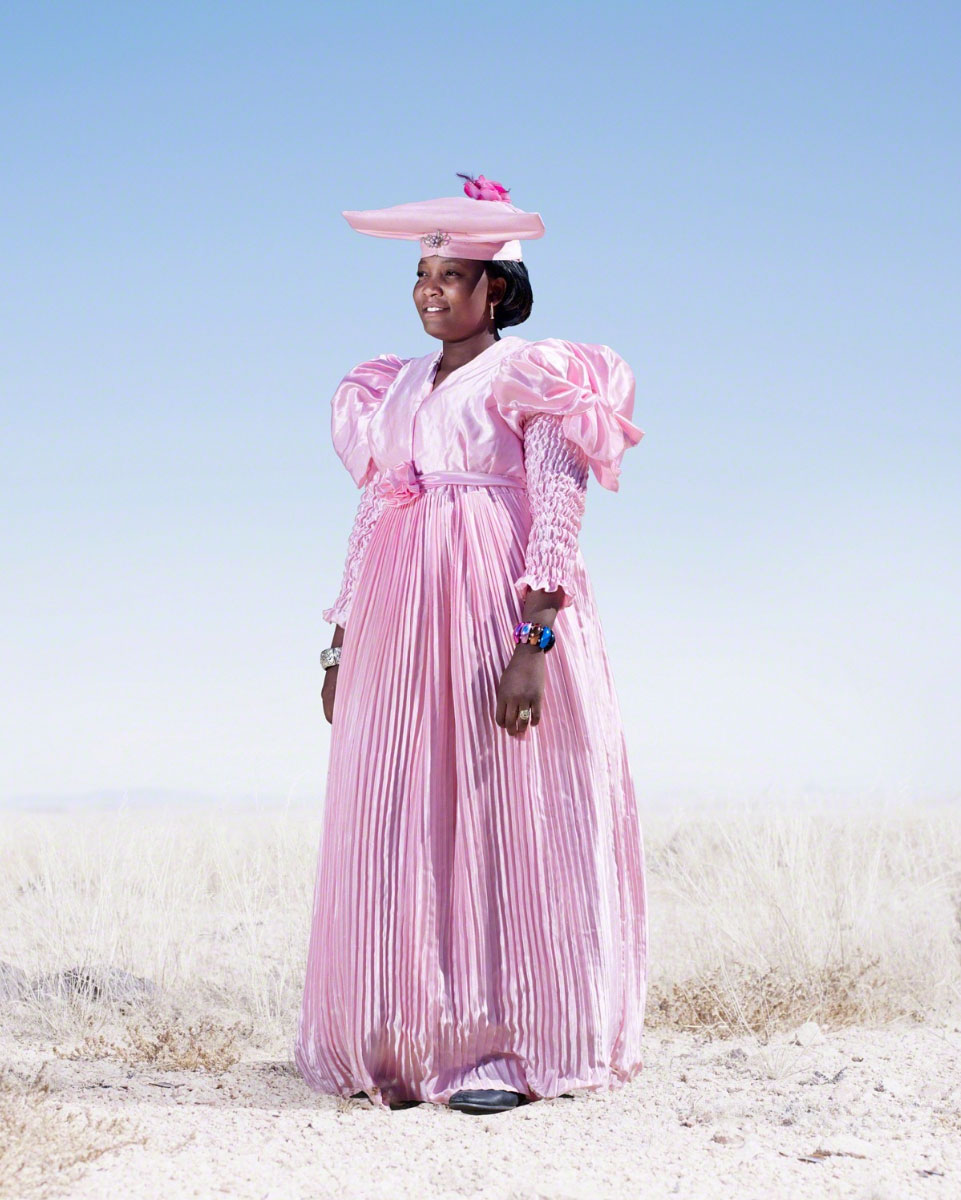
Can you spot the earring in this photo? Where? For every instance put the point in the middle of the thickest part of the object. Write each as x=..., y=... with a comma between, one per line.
x=492, y=310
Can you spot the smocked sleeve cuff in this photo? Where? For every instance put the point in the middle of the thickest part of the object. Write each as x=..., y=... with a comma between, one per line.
x=368, y=512
x=557, y=472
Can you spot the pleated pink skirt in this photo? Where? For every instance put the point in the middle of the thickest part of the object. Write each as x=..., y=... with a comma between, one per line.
x=479, y=915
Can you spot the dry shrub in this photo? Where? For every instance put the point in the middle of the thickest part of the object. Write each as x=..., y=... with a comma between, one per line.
x=43, y=1147
x=731, y=1001
x=204, y=1045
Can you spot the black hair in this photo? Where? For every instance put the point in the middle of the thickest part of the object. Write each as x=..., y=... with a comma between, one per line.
x=518, y=299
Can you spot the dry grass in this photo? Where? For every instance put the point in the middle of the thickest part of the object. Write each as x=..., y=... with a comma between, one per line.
x=45, y=1147
x=758, y=922
x=211, y=907
x=762, y=922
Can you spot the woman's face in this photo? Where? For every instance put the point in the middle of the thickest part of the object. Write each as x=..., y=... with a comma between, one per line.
x=453, y=296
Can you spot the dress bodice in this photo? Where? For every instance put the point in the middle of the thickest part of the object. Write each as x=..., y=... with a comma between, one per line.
x=386, y=412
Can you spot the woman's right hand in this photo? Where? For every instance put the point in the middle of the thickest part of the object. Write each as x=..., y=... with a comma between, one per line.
x=328, y=692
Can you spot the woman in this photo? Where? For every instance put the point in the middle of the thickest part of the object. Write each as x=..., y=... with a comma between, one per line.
x=479, y=932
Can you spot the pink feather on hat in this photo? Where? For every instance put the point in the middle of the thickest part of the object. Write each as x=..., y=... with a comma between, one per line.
x=484, y=189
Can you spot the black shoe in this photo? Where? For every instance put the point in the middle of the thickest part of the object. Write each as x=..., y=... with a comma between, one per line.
x=483, y=1102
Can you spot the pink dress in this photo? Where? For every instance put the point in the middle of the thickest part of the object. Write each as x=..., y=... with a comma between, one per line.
x=479, y=915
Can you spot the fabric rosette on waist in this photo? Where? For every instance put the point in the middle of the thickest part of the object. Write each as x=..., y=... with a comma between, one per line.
x=399, y=484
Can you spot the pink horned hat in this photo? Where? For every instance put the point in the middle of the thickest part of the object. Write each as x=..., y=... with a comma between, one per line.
x=480, y=224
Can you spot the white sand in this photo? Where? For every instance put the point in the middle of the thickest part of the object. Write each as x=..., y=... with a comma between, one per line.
x=874, y=1114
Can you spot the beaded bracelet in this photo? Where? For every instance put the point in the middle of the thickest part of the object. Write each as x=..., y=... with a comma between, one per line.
x=541, y=636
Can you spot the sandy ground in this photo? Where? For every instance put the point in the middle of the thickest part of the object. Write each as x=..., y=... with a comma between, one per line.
x=874, y=1114
x=173, y=1080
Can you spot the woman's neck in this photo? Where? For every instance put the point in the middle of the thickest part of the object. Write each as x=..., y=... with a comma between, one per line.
x=456, y=354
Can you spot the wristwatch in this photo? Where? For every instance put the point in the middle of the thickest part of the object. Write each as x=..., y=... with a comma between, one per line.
x=330, y=657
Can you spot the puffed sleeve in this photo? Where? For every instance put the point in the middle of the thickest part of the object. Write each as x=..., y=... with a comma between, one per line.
x=590, y=387
x=355, y=400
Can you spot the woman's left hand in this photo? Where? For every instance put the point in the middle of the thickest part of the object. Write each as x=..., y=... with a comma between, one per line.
x=521, y=686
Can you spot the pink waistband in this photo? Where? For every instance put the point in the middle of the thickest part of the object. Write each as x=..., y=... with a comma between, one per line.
x=478, y=478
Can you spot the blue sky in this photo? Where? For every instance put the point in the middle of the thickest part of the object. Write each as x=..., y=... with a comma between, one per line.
x=755, y=204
